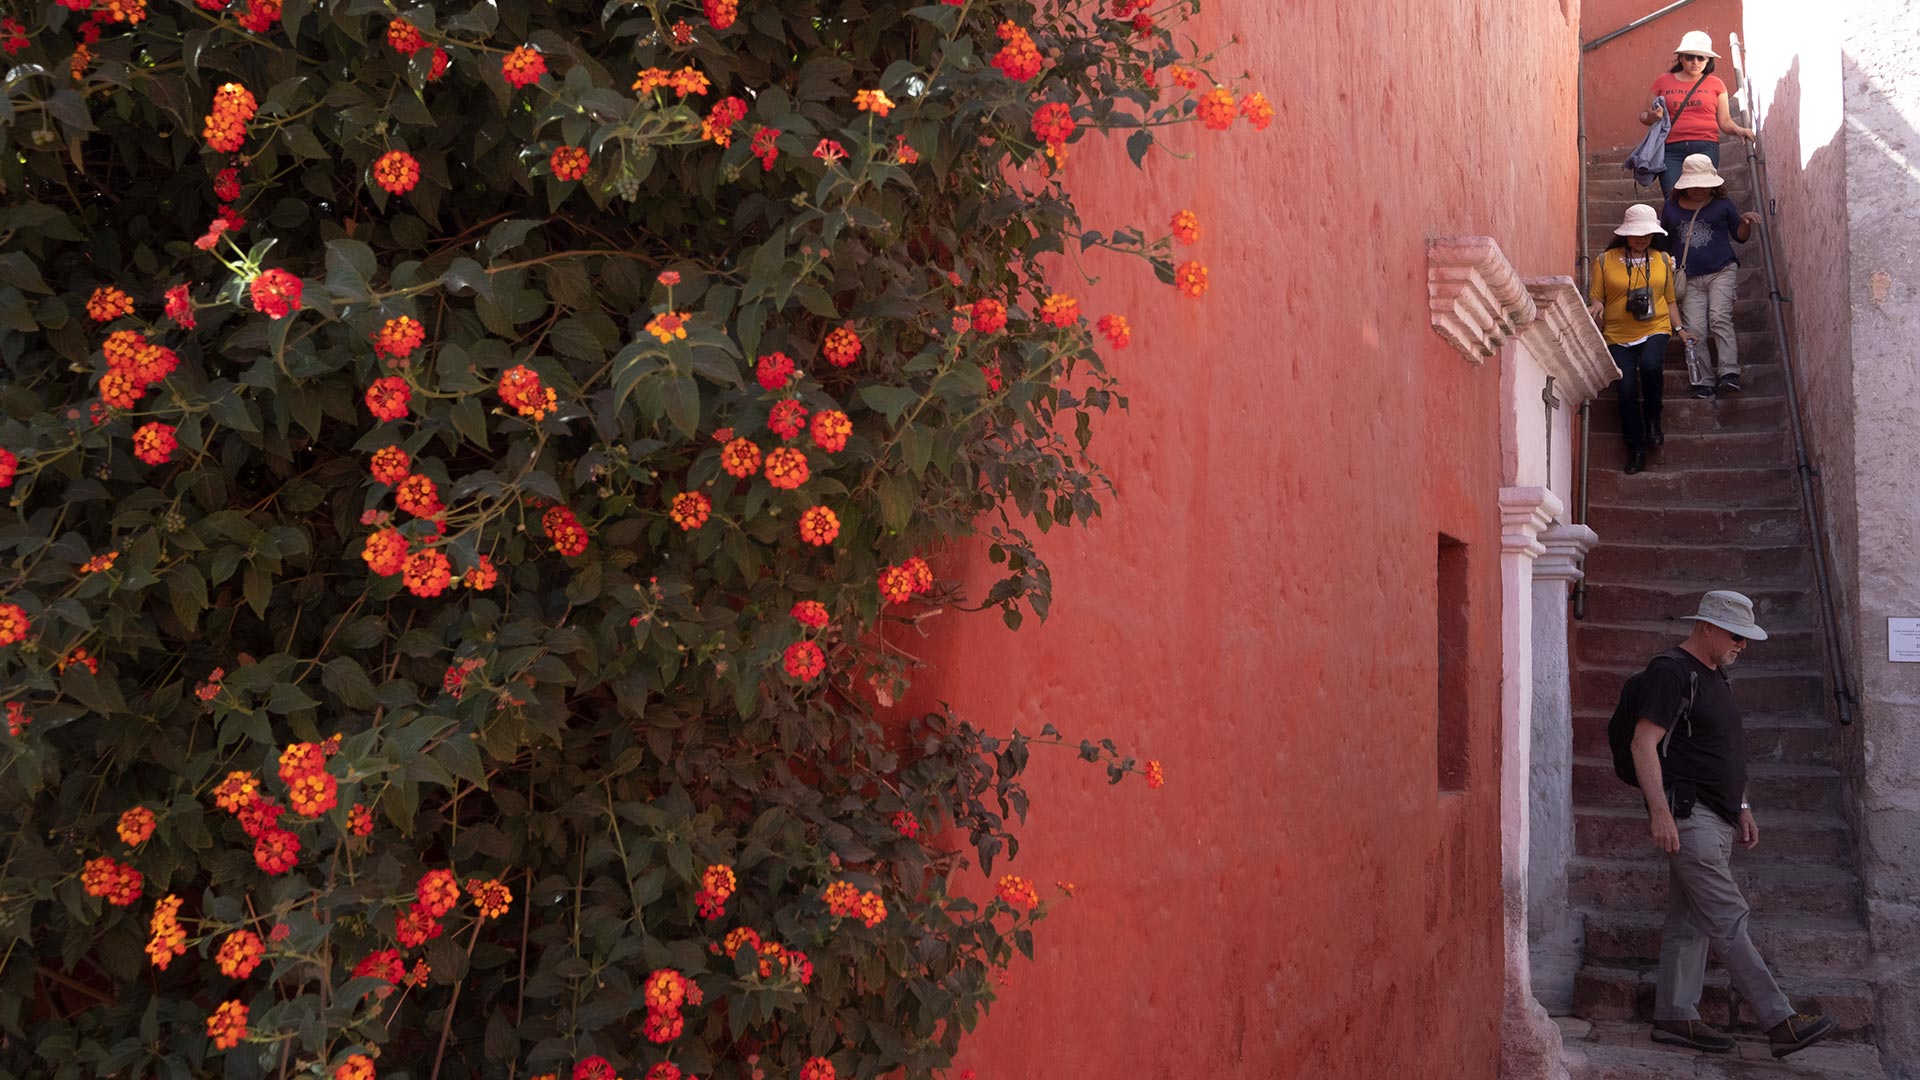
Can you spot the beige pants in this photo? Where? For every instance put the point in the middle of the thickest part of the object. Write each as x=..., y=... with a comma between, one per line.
x=1705, y=909
x=1707, y=311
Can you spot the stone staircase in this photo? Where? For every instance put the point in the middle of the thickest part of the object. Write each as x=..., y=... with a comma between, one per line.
x=1718, y=507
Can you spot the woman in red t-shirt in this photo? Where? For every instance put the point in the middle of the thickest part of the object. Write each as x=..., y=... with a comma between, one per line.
x=1697, y=127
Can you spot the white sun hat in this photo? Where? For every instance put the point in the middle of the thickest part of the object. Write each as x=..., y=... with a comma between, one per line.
x=1640, y=220
x=1698, y=171
x=1730, y=611
x=1697, y=41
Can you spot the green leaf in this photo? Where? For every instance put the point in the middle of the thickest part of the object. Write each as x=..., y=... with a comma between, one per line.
x=889, y=401
x=681, y=395
x=460, y=754
x=347, y=681
x=470, y=420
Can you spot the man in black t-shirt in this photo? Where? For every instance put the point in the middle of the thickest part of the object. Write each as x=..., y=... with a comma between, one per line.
x=1690, y=756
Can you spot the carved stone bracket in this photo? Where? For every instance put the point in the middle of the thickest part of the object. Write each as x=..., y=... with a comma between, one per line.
x=1525, y=513
x=1564, y=341
x=1565, y=546
x=1475, y=299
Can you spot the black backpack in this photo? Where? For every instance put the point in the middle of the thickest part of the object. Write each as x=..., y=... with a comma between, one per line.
x=1625, y=715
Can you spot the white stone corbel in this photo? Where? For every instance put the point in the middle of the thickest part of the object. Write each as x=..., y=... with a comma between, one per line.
x=1564, y=340
x=1475, y=298
x=1566, y=545
x=1525, y=513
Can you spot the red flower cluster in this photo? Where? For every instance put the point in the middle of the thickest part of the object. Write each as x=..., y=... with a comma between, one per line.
x=847, y=902
x=117, y=882
x=690, y=510
x=360, y=820
x=564, y=529
x=1156, y=776
x=108, y=303
x=906, y=824
x=804, y=660
x=787, y=419
x=240, y=952
x=13, y=35
x=831, y=427
x=763, y=146
x=896, y=585
x=593, y=1068
x=842, y=346
x=716, y=888
x=523, y=67
x=382, y=964
x=180, y=306
x=483, y=576
x=569, y=162
x=819, y=526
x=259, y=16
x=228, y=1025
x=718, y=126
x=720, y=13
x=356, y=1067
x=666, y=992
x=385, y=552
x=1216, y=108
x=226, y=125
x=1257, y=110
x=405, y=38
x=740, y=458
x=1191, y=279
x=811, y=614
x=17, y=719
x=521, y=388
x=1019, y=58
x=1018, y=893
x=774, y=371
x=418, y=496
x=9, y=464
x=390, y=465
x=988, y=315
x=387, y=398
x=276, y=292
x=818, y=1068
x=396, y=172
x=135, y=826
x=427, y=573
x=1059, y=310
x=154, y=442
x=1053, y=125
x=1186, y=227
x=1116, y=330
x=397, y=338
x=786, y=468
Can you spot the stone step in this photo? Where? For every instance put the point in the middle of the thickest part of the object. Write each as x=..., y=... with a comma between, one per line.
x=1802, y=739
x=1687, y=450
x=1628, y=643
x=1621, y=832
x=1800, y=695
x=1771, y=566
x=1792, y=945
x=1733, y=488
x=1618, y=603
x=1623, y=1050
x=1688, y=415
x=1745, y=527
x=1609, y=181
x=1777, y=787
x=1626, y=994
x=1776, y=887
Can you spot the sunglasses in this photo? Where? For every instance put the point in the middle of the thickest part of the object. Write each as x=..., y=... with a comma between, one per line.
x=1737, y=639
x=1691, y=59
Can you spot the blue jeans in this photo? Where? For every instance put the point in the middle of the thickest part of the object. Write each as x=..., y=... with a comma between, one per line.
x=1640, y=386
x=1677, y=154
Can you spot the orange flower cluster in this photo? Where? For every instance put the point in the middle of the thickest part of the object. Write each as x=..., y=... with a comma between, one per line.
x=226, y=125
x=238, y=791
x=382, y=964
x=831, y=427
x=523, y=67
x=1216, y=108
x=98, y=564
x=396, y=172
x=1053, y=125
x=687, y=80
x=438, y=892
x=521, y=388
x=717, y=886
x=1191, y=279
x=1156, y=777
x=764, y=148
x=387, y=398
x=228, y=1025
x=668, y=326
x=666, y=992
x=390, y=465
x=1019, y=58
x=690, y=510
x=1185, y=78
x=405, y=38
x=239, y=954
x=154, y=442
x=82, y=658
x=108, y=303
x=117, y=882
x=414, y=927
x=360, y=820
x=1059, y=310
x=483, y=576
x=276, y=292
x=896, y=585
x=873, y=101
x=166, y=937
x=718, y=126
x=846, y=902
x=136, y=825
x=774, y=371
x=811, y=614
x=804, y=660
x=1018, y=893
x=819, y=525
x=356, y=1067
x=397, y=338
x=569, y=162
x=260, y=15
x=842, y=346
x=720, y=14
x=988, y=315
x=818, y=1068
x=418, y=496
x=787, y=419
x=786, y=468
x=1186, y=227
x=386, y=552
x=564, y=529
x=1257, y=110
x=427, y=573
x=1116, y=330
x=740, y=458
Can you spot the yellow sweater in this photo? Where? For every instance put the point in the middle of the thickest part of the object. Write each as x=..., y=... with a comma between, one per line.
x=1612, y=279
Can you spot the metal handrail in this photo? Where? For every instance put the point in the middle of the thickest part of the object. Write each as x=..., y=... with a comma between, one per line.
x=1835, y=652
x=1581, y=270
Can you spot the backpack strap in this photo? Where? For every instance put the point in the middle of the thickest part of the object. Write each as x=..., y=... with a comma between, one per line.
x=1686, y=707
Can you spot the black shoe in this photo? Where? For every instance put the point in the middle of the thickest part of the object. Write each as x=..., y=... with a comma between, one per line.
x=1654, y=433
x=1729, y=384
x=1701, y=391
x=1636, y=461
x=1691, y=1033
x=1797, y=1032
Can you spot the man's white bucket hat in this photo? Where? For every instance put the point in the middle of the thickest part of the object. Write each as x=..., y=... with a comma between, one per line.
x=1697, y=41
x=1640, y=220
x=1730, y=611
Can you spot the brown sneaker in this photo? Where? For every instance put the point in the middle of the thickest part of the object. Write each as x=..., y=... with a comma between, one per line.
x=1695, y=1034
x=1797, y=1032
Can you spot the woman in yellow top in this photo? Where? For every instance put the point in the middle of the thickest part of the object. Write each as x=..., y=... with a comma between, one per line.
x=1632, y=294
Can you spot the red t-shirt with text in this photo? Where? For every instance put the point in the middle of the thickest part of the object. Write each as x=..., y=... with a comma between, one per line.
x=1701, y=119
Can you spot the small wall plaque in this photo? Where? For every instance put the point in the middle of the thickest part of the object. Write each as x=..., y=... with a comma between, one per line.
x=1903, y=641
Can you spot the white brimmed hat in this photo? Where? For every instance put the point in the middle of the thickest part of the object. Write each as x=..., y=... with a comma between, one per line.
x=1640, y=220
x=1697, y=41
x=1730, y=611
x=1698, y=171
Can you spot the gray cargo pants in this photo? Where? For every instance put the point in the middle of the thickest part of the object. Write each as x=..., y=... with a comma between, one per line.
x=1704, y=907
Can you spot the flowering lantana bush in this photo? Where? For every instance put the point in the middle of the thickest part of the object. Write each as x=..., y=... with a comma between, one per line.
x=465, y=471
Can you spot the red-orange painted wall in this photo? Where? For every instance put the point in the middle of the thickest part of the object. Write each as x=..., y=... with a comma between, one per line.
x=1257, y=607
x=1620, y=73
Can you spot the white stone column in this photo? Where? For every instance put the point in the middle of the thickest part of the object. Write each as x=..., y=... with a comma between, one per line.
x=1554, y=932
x=1529, y=1041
